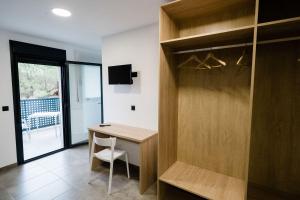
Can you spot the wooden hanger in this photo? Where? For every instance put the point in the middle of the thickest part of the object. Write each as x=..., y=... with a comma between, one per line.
x=239, y=62
x=211, y=56
x=201, y=64
x=193, y=57
x=242, y=65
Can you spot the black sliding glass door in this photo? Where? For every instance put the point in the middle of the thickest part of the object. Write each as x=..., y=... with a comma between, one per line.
x=40, y=108
x=85, y=97
x=40, y=100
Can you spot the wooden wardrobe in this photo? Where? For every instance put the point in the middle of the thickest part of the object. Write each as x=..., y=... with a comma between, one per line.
x=231, y=133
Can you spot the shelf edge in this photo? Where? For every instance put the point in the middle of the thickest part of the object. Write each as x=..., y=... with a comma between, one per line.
x=170, y=3
x=204, y=35
x=282, y=21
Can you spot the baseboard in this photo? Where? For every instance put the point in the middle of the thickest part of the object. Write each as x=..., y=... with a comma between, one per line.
x=8, y=167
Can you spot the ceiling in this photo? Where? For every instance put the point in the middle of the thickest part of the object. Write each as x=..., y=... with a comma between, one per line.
x=90, y=20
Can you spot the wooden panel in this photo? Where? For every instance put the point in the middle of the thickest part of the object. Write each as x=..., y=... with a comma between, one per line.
x=270, y=10
x=167, y=141
x=230, y=18
x=227, y=15
x=205, y=183
x=183, y=9
x=233, y=36
x=125, y=132
x=167, y=27
x=279, y=29
x=148, y=163
x=167, y=112
x=275, y=139
x=174, y=193
x=213, y=115
x=247, y=156
x=256, y=192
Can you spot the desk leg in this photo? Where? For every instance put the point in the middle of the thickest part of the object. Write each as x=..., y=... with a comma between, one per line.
x=148, y=163
x=95, y=162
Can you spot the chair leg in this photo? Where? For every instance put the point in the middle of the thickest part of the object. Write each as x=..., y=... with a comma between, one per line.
x=91, y=179
x=91, y=161
x=127, y=165
x=110, y=176
x=29, y=134
x=55, y=128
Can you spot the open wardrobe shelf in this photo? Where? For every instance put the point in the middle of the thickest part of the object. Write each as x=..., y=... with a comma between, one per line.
x=182, y=19
x=226, y=37
x=229, y=94
x=187, y=9
x=279, y=29
x=202, y=182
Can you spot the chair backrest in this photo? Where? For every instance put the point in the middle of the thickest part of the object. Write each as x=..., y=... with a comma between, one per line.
x=105, y=142
x=24, y=124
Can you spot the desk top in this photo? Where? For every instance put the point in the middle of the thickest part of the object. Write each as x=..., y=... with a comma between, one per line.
x=125, y=132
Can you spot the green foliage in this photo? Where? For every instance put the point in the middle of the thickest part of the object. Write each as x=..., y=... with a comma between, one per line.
x=38, y=81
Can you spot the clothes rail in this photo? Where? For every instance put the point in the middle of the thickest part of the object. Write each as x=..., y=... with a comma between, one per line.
x=279, y=40
x=214, y=48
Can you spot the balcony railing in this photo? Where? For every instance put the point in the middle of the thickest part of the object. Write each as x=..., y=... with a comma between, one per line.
x=31, y=106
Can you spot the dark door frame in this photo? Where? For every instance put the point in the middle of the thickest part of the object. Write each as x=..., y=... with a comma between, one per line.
x=69, y=103
x=24, y=52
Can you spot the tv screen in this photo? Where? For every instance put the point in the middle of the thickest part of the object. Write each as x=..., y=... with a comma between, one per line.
x=120, y=74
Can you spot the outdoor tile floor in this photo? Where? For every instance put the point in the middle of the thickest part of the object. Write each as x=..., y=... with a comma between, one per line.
x=43, y=140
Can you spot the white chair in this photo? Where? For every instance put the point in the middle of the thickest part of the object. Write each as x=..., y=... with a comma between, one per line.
x=108, y=155
x=26, y=128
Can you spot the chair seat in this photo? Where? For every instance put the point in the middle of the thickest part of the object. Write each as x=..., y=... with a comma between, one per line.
x=105, y=154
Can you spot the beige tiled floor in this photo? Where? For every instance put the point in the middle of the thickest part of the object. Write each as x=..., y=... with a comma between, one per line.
x=65, y=176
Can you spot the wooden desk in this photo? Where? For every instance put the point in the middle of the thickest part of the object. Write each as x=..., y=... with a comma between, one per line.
x=147, y=147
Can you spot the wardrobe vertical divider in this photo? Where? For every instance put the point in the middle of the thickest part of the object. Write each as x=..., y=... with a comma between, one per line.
x=252, y=91
x=168, y=98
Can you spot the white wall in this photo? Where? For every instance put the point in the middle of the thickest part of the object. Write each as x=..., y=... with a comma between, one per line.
x=7, y=131
x=140, y=48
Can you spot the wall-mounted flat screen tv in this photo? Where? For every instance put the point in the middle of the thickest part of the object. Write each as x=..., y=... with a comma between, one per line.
x=120, y=75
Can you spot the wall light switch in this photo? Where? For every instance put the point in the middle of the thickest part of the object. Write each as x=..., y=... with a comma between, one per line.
x=133, y=107
x=5, y=108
